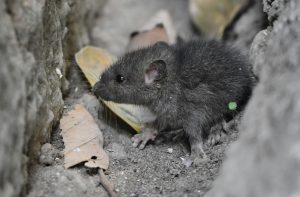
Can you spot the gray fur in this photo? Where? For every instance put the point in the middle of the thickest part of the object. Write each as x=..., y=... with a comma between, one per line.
x=192, y=90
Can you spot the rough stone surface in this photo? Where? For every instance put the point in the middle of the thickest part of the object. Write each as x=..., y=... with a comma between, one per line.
x=32, y=38
x=265, y=160
x=273, y=8
x=257, y=51
x=12, y=104
x=48, y=154
x=59, y=182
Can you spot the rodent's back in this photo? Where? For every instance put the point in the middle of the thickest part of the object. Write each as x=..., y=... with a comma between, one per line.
x=214, y=68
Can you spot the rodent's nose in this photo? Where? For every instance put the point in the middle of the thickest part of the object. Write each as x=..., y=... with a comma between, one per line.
x=100, y=90
x=95, y=88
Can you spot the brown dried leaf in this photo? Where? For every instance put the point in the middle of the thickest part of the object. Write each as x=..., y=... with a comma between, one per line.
x=83, y=139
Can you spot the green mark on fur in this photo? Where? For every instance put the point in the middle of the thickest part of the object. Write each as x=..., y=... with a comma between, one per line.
x=232, y=105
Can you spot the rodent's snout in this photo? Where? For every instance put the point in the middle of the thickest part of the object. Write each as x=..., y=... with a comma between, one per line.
x=100, y=90
x=96, y=89
x=93, y=89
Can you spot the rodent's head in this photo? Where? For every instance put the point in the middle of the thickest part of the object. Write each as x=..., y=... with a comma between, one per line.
x=138, y=77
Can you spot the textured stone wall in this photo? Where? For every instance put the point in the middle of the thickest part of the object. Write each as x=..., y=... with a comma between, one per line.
x=36, y=39
x=265, y=161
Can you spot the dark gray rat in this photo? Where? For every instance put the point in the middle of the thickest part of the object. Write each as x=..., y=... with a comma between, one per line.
x=190, y=85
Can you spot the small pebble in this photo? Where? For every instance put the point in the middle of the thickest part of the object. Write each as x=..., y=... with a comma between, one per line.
x=170, y=150
x=186, y=162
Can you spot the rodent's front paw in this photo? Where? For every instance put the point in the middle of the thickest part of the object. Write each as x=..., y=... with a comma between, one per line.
x=140, y=140
x=198, y=156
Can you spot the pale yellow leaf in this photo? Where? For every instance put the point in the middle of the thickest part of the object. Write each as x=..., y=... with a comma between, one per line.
x=93, y=62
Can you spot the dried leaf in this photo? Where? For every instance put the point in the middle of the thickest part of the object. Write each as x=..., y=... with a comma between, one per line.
x=83, y=139
x=93, y=62
x=133, y=115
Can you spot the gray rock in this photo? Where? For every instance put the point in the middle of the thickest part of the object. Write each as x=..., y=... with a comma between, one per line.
x=59, y=182
x=48, y=154
x=257, y=51
x=273, y=8
x=265, y=160
x=33, y=38
x=12, y=105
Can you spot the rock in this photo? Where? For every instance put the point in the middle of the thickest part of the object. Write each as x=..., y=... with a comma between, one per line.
x=265, y=160
x=12, y=105
x=273, y=8
x=33, y=39
x=257, y=51
x=56, y=181
x=48, y=154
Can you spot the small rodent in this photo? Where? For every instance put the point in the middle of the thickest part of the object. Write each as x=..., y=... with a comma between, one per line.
x=188, y=86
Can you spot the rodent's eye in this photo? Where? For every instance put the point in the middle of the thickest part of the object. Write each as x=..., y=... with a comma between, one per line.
x=120, y=78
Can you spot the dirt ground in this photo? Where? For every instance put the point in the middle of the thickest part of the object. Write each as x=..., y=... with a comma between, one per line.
x=157, y=170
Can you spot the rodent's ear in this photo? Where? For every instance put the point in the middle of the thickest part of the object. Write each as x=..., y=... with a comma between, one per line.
x=155, y=71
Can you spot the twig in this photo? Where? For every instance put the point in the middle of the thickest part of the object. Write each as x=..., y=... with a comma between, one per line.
x=108, y=186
